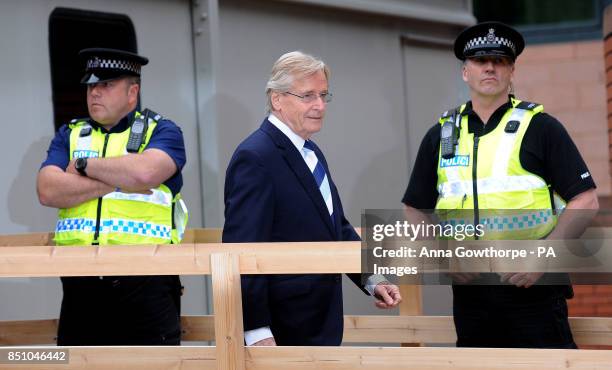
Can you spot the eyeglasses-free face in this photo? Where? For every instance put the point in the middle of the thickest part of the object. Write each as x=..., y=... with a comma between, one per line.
x=488, y=76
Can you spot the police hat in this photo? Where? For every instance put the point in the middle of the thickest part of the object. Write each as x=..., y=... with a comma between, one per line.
x=489, y=39
x=104, y=64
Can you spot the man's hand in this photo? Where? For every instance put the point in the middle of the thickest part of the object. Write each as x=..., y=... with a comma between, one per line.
x=387, y=295
x=464, y=277
x=265, y=342
x=521, y=279
x=71, y=168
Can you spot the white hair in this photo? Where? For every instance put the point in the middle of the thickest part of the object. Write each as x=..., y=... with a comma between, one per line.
x=288, y=68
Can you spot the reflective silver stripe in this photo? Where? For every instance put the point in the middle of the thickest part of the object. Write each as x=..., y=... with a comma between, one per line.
x=559, y=203
x=84, y=142
x=506, y=144
x=452, y=173
x=157, y=197
x=491, y=185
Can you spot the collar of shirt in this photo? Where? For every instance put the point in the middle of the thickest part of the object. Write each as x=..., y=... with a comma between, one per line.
x=475, y=124
x=123, y=124
x=295, y=138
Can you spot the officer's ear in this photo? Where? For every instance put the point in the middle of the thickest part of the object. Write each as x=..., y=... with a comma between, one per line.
x=133, y=90
x=464, y=70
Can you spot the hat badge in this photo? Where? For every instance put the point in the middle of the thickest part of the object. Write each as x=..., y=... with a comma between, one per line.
x=94, y=63
x=491, y=35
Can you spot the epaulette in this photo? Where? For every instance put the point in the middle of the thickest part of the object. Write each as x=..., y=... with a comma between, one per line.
x=152, y=115
x=80, y=119
x=450, y=112
x=527, y=105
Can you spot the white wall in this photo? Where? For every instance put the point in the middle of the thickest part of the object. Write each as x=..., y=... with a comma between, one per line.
x=163, y=30
x=382, y=103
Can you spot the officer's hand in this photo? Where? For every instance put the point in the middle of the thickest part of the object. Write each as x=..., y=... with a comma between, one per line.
x=265, y=342
x=387, y=295
x=521, y=279
x=71, y=169
x=464, y=277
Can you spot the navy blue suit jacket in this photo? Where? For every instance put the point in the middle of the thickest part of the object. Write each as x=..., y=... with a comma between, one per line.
x=271, y=196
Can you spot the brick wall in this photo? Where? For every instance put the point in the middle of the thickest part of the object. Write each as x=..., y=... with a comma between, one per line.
x=591, y=300
x=608, y=66
x=570, y=80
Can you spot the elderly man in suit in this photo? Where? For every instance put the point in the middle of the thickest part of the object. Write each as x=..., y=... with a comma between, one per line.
x=278, y=188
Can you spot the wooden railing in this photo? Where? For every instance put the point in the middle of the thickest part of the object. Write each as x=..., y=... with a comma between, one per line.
x=357, y=329
x=32, y=256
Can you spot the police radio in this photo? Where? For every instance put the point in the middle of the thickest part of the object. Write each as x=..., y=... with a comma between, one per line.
x=449, y=137
x=138, y=133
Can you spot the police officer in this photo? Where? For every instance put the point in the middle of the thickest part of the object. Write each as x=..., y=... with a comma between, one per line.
x=498, y=152
x=115, y=178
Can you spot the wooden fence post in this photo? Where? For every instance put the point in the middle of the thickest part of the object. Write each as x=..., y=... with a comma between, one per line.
x=412, y=305
x=227, y=302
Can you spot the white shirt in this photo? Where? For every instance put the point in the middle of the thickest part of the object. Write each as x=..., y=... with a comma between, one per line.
x=296, y=139
x=255, y=335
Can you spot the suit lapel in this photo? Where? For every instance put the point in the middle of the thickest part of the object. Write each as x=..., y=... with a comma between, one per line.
x=297, y=164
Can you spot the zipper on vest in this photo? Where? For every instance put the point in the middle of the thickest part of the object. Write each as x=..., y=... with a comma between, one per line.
x=475, y=182
x=99, y=212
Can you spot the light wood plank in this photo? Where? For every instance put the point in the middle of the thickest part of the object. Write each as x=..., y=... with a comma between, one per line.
x=422, y=358
x=130, y=358
x=399, y=329
x=227, y=302
x=183, y=259
x=592, y=330
x=208, y=235
x=331, y=358
x=17, y=240
x=255, y=258
x=412, y=304
x=28, y=332
x=357, y=329
x=198, y=328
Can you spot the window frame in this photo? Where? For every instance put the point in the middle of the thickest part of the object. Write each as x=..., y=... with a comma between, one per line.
x=567, y=31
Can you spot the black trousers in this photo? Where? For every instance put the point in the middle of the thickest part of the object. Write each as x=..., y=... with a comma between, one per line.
x=120, y=310
x=510, y=317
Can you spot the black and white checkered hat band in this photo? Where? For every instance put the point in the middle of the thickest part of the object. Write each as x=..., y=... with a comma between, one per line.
x=97, y=63
x=483, y=41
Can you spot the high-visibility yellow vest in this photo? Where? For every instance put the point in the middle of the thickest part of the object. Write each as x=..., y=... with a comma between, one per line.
x=117, y=217
x=486, y=177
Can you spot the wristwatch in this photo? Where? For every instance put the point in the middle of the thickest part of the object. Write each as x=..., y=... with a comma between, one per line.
x=80, y=165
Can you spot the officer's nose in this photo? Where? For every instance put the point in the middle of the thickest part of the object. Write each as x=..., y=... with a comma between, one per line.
x=489, y=65
x=93, y=89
